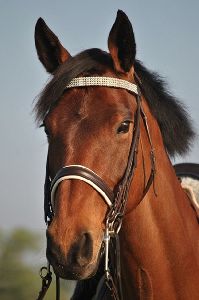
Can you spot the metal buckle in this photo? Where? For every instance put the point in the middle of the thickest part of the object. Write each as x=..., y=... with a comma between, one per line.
x=45, y=274
x=106, y=249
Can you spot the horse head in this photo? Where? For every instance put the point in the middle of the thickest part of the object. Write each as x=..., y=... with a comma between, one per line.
x=85, y=126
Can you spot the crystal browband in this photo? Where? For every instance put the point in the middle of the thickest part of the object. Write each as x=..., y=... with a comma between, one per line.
x=103, y=81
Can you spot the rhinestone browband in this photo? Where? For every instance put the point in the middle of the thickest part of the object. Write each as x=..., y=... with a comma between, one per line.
x=103, y=81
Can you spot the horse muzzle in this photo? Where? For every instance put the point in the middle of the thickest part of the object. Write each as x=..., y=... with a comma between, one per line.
x=79, y=262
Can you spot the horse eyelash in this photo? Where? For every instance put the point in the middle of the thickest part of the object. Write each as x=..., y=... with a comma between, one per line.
x=46, y=131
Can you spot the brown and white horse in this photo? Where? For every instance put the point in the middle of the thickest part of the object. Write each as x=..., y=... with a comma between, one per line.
x=93, y=126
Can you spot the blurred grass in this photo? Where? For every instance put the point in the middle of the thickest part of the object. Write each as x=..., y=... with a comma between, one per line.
x=19, y=267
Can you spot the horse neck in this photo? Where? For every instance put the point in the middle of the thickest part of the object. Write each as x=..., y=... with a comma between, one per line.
x=159, y=238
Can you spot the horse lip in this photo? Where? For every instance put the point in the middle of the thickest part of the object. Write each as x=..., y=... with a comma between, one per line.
x=74, y=273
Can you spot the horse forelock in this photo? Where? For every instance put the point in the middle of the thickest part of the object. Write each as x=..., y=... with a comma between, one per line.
x=92, y=61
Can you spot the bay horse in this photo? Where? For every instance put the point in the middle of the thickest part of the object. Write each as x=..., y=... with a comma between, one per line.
x=112, y=126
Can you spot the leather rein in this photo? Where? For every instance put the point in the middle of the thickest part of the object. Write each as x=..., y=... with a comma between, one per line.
x=116, y=200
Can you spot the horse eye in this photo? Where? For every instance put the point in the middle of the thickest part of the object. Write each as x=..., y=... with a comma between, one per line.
x=124, y=127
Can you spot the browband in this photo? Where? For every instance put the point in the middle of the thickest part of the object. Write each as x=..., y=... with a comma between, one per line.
x=103, y=81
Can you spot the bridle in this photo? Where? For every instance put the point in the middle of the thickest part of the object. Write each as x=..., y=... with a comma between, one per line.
x=116, y=200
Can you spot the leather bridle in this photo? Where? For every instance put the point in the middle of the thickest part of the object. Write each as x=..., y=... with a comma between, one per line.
x=116, y=200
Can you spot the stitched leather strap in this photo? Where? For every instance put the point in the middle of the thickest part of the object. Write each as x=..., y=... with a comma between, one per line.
x=85, y=174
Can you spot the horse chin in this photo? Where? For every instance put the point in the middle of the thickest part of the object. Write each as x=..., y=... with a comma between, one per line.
x=75, y=272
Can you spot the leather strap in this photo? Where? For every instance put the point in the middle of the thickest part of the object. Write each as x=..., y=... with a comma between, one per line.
x=47, y=199
x=85, y=174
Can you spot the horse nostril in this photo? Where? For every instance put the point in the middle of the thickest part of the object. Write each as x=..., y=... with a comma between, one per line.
x=84, y=249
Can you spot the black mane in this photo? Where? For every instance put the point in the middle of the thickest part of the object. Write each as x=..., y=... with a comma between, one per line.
x=174, y=122
x=170, y=113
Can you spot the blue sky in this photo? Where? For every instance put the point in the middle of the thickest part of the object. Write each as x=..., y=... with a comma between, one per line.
x=167, y=41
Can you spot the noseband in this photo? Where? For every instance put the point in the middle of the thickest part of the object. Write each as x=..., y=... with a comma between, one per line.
x=79, y=172
x=116, y=200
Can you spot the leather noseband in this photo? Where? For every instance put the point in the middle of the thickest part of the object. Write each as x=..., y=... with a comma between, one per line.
x=82, y=173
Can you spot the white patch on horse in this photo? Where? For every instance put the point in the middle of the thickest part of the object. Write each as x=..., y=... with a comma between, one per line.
x=191, y=186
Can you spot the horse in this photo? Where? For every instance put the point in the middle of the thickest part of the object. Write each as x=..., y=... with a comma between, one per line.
x=112, y=126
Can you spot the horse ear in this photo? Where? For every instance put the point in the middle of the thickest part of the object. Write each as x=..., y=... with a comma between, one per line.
x=121, y=43
x=49, y=49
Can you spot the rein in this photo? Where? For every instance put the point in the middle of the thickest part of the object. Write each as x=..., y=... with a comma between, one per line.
x=116, y=201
